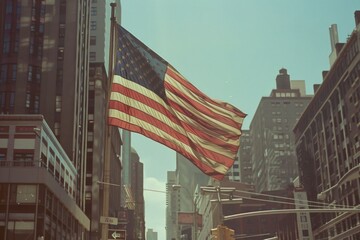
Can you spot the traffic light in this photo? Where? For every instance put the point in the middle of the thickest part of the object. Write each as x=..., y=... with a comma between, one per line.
x=218, y=233
x=229, y=234
x=215, y=233
x=222, y=233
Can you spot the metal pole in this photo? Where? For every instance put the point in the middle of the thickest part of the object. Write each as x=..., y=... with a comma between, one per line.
x=218, y=190
x=107, y=145
x=195, y=219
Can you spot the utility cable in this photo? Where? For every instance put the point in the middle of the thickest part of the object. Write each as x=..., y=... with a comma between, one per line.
x=292, y=199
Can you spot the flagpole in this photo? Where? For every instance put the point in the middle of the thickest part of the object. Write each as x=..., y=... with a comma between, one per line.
x=107, y=145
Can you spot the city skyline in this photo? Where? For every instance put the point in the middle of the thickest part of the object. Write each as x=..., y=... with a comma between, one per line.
x=231, y=51
x=254, y=38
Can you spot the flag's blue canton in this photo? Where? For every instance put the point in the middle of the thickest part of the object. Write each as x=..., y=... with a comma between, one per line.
x=138, y=63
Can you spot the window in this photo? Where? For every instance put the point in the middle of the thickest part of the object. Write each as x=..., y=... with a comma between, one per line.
x=12, y=99
x=26, y=194
x=62, y=31
x=92, y=40
x=58, y=103
x=9, y=7
x=7, y=25
x=30, y=73
x=14, y=72
x=92, y=56
x=93, y=25
x=60, y=54
x=93, y=11
x=6, y=44
x=38, y=75
x=57, y=128
x=36, y=104
x=2, y=101
x=3, y=73
x=41, y=28
x=27, y=101
x=23, y=156
x=21, y=228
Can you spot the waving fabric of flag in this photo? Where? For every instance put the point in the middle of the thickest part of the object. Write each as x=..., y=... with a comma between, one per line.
x=150, y=97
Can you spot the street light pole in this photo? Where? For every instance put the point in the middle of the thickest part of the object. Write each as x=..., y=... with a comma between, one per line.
x=219, y=190
x=350, y=175
x=177, y=187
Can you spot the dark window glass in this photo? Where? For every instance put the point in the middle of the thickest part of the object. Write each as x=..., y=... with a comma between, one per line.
x=3, y=73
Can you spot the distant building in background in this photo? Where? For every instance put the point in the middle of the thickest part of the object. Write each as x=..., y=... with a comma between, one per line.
x=327, y=138
x=134, y=198
x=171, y=206
x=189, y=178
x=38, y=183
x=241, y=171
x=151, y=235
x=274, y=162
x=234, y=172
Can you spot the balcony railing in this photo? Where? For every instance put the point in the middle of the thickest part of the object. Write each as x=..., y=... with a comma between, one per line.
x=22, y=163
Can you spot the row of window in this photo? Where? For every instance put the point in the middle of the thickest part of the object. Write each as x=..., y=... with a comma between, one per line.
x=278, y=94
x=11, y=27
x=37, y=29
x=7, y=102
x=296, y=104
x=8, y=72
x=51, y=219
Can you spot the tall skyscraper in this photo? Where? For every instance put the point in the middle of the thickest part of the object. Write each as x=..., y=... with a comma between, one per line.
x=274, y=163
x=44, y=69
x=327, y=138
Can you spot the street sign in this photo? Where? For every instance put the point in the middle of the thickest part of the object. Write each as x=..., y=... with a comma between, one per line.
x=118, y=234
x=109, y=220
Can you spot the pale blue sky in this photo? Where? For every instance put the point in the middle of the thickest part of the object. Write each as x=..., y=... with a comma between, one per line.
x=231, y=50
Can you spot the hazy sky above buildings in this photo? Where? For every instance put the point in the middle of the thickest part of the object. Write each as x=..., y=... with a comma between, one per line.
x=231, y=50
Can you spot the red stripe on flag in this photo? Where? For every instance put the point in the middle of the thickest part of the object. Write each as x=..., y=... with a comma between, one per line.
x=147, y=117
x=144, y=99
x=134, y=128
x=200, y=107
x=189, y=86
x=203, y=123
x=158, y=107
x=156, y=124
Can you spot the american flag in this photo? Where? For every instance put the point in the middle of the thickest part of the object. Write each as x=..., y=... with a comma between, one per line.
x=150, y=97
